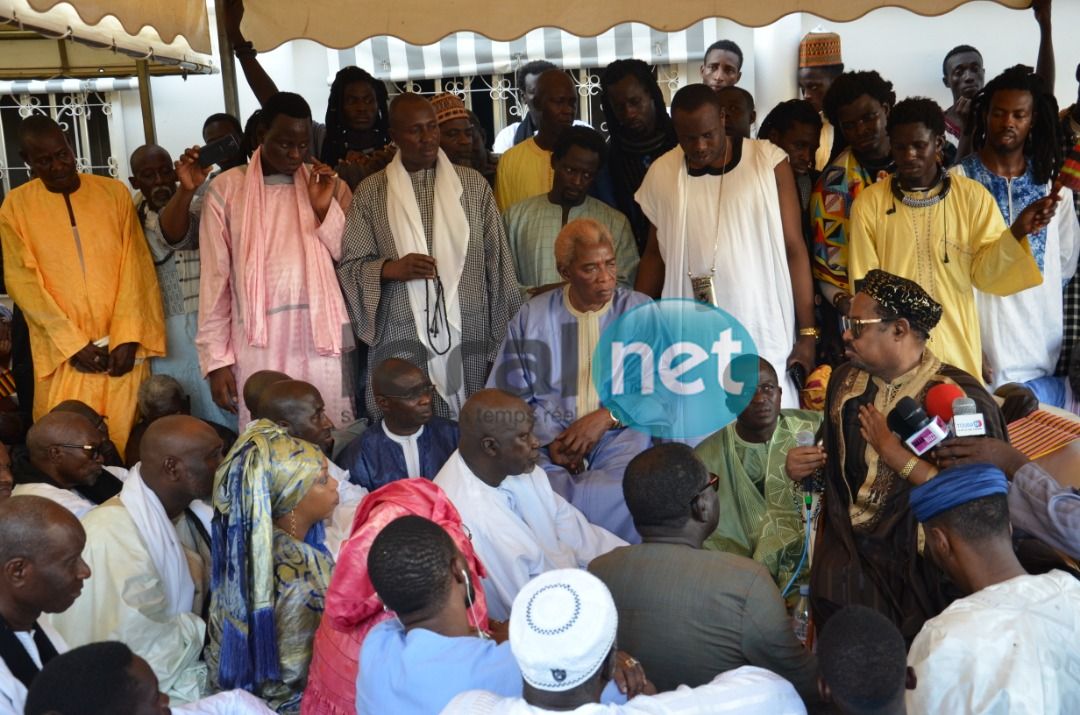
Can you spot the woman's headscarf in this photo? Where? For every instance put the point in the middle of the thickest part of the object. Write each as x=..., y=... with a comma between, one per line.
x=264, y=476
x=352, y=606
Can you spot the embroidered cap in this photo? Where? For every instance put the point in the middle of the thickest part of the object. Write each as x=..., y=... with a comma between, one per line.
x=819, y=49
x=562, y=628
x=903, y=298
x=448, y=106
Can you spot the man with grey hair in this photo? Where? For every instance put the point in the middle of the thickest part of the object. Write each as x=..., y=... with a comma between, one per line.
x=546, y=360
x=63, y=462
x=161, y=396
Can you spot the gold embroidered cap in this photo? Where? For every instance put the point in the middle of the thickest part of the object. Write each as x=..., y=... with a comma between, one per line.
x=903, y=298
x=448, y=106
x=819, y=49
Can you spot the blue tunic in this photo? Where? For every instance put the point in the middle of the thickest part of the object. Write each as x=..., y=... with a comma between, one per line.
x=374, y=460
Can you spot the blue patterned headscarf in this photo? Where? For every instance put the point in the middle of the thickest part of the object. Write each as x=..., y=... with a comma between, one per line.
x=955, y=486
x=264, y=476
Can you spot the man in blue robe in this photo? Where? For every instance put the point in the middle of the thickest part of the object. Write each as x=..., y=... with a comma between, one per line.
x=409, y=440
x=546, y=360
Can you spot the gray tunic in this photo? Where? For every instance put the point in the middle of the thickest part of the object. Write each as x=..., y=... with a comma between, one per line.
x=381, y=317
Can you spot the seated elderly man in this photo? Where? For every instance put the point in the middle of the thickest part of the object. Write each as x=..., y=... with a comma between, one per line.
x=109, y=451
x=562, y=633
x=63, y=462
x=760, y=513
x=415, y=663
x=1011, y=644
x=584, y=447
x=151, y=558
x=41, y=571
x=688, y=613
x=520, y=527
x=410, y=440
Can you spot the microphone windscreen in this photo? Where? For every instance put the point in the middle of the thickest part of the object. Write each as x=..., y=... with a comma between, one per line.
x=964, y=406
x=906, y=417
x=804, y=438
x=940, y=399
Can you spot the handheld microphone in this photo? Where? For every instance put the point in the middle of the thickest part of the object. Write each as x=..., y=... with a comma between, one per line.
x=967, y=421
x=814, y=482
x=915, y=428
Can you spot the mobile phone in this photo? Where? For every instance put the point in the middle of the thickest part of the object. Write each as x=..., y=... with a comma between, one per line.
x=219, y=150
x=797, y=373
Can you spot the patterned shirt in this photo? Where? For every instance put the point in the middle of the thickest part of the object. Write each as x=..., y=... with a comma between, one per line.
x=1012, y=195
x=830, y=210
x=177, y=265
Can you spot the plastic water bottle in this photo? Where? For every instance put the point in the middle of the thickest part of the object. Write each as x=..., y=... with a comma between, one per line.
x=800, y=617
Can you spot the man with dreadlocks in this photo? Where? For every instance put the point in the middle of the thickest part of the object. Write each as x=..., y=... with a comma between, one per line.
x=639, y=131
x=355, y=138
x=962, y=71
x=1017, y=154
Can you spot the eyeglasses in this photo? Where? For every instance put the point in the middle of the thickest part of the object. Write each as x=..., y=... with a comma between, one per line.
x=92, y=451
x=414, y=394
x=713, y=483
x=855, y=325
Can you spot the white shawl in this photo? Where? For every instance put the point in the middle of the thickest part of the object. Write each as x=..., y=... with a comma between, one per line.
x=450, y=242
x=161, y=541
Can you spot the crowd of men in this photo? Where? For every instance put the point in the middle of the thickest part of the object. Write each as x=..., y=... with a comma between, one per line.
x=318, y=429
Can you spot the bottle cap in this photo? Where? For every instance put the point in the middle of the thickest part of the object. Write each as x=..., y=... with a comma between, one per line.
x=804, y=590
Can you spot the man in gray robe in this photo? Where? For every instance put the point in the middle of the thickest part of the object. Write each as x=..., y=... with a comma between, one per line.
x=425, y=269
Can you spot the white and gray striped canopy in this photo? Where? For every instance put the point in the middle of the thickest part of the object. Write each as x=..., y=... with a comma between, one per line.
x=463, y=54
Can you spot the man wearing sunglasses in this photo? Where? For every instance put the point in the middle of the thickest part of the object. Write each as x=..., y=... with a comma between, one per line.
x=63, y=462
x=410, y=440
x=689, y=613
x=869, y=554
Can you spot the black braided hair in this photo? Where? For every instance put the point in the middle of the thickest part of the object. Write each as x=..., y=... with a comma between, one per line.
x=1044, y=146
x=616, y=72
x=334, y=145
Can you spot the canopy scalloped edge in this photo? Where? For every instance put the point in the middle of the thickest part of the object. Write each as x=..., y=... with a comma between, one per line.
x=193, y=28
x=265, y=21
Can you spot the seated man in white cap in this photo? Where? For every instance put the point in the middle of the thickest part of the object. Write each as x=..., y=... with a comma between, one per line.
x=1013, y=640
x=562, y=633
x=520, y=527
x=429, y=652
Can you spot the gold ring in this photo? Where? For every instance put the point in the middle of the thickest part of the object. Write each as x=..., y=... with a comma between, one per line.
x=631, y=662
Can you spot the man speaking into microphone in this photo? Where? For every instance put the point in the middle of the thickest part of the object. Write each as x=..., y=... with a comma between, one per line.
x=868, y=554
